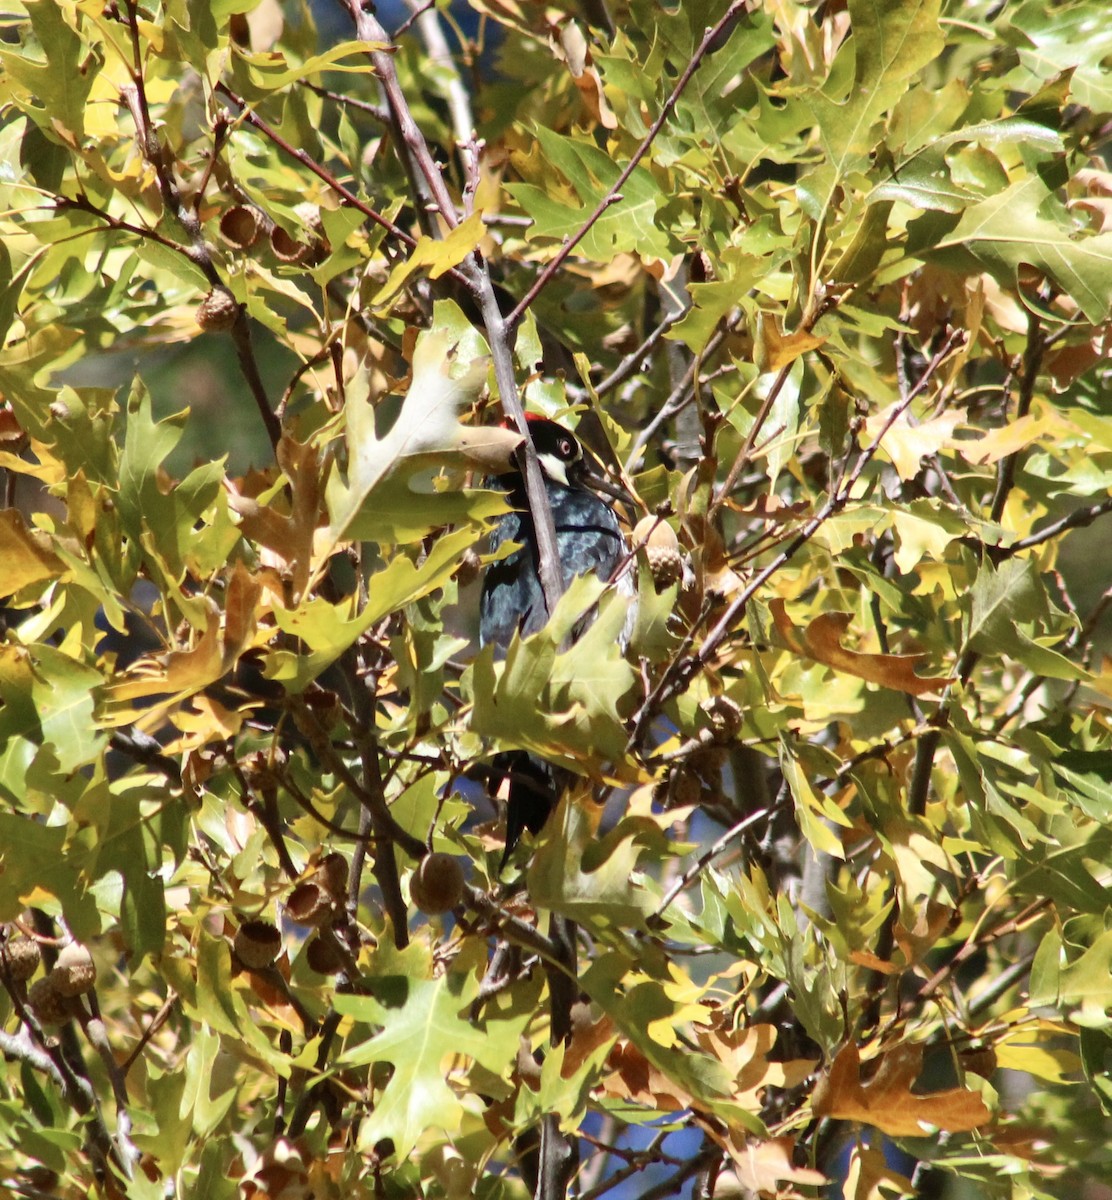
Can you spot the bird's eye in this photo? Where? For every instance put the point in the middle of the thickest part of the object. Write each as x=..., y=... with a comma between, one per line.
x=566, y=448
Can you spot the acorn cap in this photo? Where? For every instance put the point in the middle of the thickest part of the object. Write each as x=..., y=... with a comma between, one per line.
x=257, y=944
x=239, y=226
x=286, y=247
x=310, y=903
x=74, y=972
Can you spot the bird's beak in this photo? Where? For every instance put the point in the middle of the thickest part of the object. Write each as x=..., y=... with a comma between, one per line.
x=597, y=482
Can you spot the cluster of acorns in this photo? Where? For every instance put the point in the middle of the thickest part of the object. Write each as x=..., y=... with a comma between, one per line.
x=53, y=999
x=319, y=902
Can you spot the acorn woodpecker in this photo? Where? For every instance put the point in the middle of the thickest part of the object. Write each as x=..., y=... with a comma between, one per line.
x=588, y=538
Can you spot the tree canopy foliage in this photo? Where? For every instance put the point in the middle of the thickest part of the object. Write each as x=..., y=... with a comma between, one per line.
x=828, y=289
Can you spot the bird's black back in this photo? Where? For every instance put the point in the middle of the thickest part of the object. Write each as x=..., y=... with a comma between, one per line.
x=588, y=537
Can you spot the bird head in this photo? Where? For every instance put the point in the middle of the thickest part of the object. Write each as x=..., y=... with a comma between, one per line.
x=564, y=459
x=560, y=452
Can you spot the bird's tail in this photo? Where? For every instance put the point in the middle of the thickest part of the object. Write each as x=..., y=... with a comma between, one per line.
x=533, y=793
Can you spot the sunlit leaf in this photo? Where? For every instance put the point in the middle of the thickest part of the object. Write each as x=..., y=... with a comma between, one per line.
x=886, y=1100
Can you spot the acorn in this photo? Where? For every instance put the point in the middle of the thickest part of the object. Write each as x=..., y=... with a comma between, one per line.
x=723, y=716
x=20, y=957
x=48, y=1005
x=74, y=972
x=437, y=884
x=686, y=788
x=218, y=311
x=257, y=944
x=662, y=550
x=323, y=954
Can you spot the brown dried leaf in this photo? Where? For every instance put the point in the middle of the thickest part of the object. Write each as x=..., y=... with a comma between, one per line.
x=822, y=641
x=183, y=672
x=765, y=1167
x=634, y=1078
x=887, y=1101
x=745, y=1054
x=288, y=536
x=572, y=49
x=587, y=1037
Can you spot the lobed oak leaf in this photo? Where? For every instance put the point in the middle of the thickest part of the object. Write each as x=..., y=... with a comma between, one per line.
x=632, y=1077
x=181, y=673
x=287, y=533
x=887, y=1102
x=1016, y=435
x=774, y=349
x=745, y=1054
x=764, y=1167
x=26, y=556
x=427, y=434
x=907, y=442
x=434, y=256
x=822, y=641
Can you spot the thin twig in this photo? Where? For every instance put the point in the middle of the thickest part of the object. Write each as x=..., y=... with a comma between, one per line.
x=631, y=364
x=370, y=30
x=152, y=1027
x=374, y=111
x=746, y=450
x=707, y=857
x=681, y=669
x=512, y=928
x=97, y=1036
x=272, y=134
x=614, y=193
x=439, y=54
x=476, y=278
x=680, y=396
x=1032, y=362
x=1075, y=520
x=135, y=97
